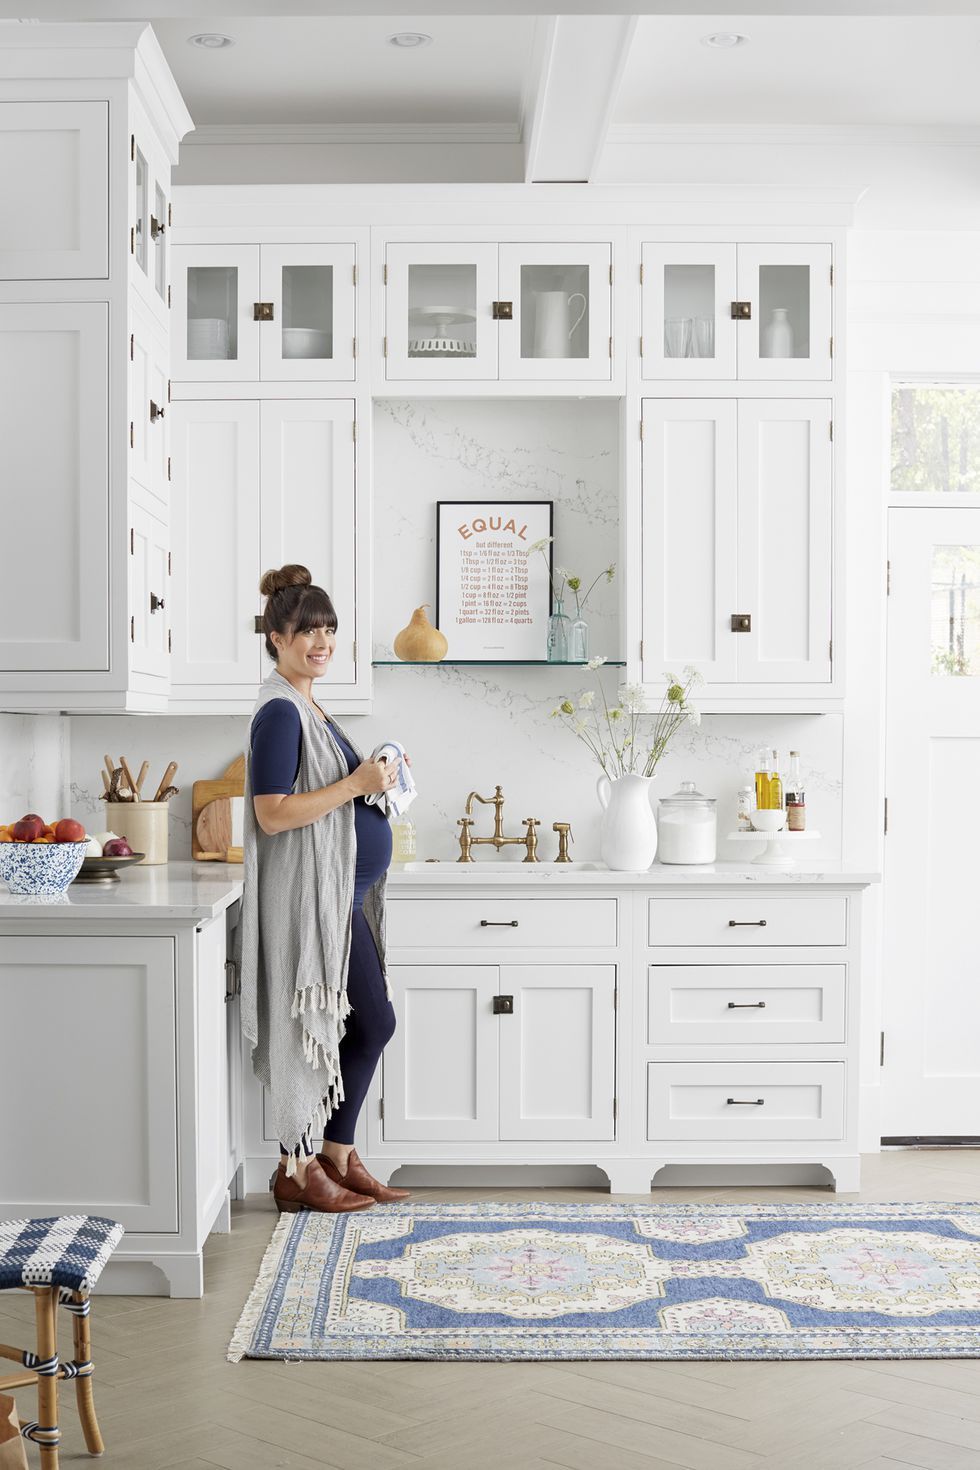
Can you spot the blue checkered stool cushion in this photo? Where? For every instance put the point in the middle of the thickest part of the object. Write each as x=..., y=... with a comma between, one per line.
x=63, y=1250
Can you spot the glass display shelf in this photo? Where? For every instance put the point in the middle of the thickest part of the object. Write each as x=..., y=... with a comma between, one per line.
x=530, y=663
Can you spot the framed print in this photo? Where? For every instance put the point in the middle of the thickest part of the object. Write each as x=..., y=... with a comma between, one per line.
x=492, y=599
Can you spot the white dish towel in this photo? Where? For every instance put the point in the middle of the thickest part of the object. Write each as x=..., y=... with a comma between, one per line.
x=404, y=792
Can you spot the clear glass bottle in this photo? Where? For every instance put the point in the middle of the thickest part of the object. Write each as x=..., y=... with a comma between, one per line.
x=558, y=624
x=795, y=796
x=775, y=785
x=403, y=846
x=763, y=779
x=578, y=641
x=746, y=802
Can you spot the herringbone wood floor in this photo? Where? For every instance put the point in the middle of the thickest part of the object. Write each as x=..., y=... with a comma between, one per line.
x=168, y=1400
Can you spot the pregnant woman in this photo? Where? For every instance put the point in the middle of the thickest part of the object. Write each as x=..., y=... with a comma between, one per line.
x=316, y=1006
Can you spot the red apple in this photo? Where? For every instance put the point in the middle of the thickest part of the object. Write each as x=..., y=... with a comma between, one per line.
x=117, y=847
x=27, y=829
x=68, y=830
x=32, y=817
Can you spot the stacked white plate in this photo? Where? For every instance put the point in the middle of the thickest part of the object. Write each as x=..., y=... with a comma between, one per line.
x=207, y=337
x=305, y=342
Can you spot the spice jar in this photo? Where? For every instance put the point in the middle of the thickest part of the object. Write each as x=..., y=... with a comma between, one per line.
x=687, y=826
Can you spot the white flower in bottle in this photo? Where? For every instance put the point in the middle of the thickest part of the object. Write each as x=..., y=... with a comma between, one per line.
x=586, y=699
x=595, y=663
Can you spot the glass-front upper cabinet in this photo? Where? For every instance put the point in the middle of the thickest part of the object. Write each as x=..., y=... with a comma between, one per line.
x=263, y=313
x=149, y=224
x=486, y=312
x=721, y=311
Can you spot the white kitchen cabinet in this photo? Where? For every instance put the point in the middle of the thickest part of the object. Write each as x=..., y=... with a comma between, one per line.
x=149, y=396
x=715, y=310
x=264, y=313
x=55, y=190
x=54, y=407
x=149, y=593
x=150, y=216
x=483, y=311
x=256, y=484
x=501, y=1052
x=737, y=553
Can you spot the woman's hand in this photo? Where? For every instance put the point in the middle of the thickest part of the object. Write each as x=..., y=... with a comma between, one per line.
x=374, y=776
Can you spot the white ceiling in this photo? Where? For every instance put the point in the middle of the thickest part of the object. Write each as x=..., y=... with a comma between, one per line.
x=866, y=70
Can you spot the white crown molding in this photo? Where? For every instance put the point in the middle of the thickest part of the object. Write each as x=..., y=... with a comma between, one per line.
x=345, y=134
x=816, y=135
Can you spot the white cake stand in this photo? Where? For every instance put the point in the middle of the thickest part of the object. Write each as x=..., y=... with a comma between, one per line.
x=777, y=852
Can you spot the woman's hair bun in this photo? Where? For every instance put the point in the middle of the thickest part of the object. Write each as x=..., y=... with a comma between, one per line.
x=292, y=575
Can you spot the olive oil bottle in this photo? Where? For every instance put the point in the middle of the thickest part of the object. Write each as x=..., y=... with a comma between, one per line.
x=768, y=784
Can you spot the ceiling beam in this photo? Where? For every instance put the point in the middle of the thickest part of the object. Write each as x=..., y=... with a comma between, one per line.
x=576, y=67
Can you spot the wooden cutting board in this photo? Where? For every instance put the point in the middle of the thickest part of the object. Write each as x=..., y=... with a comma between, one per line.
x=214, y=820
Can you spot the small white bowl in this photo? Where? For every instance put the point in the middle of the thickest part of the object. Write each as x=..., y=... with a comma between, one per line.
x=768, y=821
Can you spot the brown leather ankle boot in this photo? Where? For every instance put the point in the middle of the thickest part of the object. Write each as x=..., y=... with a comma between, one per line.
x=318, y=1192
x=360, y=1181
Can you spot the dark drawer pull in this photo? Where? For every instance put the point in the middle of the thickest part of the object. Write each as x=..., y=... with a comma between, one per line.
x=503, y=1005
x=746, y=923
x=505, y=923
x=746, y=1005
x=746, y=1102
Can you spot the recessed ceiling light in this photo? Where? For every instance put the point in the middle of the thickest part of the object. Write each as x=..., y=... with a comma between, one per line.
x=724, y=40
x=409, y=40
x=210, y=41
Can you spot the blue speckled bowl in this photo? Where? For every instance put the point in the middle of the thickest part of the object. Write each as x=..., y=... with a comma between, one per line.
x=46, y=867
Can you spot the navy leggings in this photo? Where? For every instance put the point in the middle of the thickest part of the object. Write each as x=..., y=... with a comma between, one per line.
x=370, y=1026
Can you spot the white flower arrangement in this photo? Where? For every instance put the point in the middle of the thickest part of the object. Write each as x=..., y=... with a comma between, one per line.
x=611, y=734
x=568, y=579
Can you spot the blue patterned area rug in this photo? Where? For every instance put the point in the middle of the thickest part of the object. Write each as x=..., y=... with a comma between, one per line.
x=509, y=1282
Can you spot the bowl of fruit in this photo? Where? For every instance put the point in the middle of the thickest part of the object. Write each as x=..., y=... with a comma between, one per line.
x=106, y=853
x=41, y=857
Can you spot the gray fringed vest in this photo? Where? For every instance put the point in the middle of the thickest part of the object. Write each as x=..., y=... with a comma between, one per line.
x=295, y=936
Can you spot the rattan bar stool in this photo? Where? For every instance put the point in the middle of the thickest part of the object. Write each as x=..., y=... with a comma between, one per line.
x=58, y=1260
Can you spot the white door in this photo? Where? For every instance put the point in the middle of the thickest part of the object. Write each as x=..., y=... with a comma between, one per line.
x=215, y=540
x=557, y=1052
x=54, y=416
x=150, y=607
x=687, y=327
x=789, y=292
x=931, y=1078
x=215, y=335
x=439, y=312
x=440, y=1068
x=111, y=1057
x=561, y=304
x=785, y=526
x=688, y=535
x=311, y=332
x=149, y=443
x=54, y=183
x=307, y=501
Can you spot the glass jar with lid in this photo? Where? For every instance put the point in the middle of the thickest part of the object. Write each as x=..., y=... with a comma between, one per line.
x=687, y=826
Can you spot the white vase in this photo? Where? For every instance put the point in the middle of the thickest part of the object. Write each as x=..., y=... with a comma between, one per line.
x=777, y=335
x=628, y=833
x=553, y=329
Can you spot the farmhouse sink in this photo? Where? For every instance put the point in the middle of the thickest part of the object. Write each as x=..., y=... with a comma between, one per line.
x=488, y=868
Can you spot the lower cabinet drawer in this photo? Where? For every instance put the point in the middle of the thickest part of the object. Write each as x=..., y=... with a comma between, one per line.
x=741, y=1101
x=732, y=1003
x=501, y=923
x=760, y=919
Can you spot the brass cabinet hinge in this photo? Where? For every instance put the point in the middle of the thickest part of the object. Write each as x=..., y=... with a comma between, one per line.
x=169, y=565
x=168, y=295
x=641, y=273
x=641, y=428
x=168, y=390
x=381, y=1108
x=132, y=629
x=888, y=578
x=615, y=999
x=384, y=274
x=353, y=430
x=881, y=1051
x=610, y=347
x=132, y=240
x=885, y=827
x=132, y=147
x=830, y=650
x=615, y=1109
x=831, y=346
x=641, y=346
x=353, y=272
x=354, y=648
x=610, y=273
x=831, y=274
x=132, y=346
x=170, y=214
x=132, y=444
x=384, y=347
x=169, y=474
x=831, y=428
x=641, y=650
x=170, y=646
x=131, y=546
x=353, y=349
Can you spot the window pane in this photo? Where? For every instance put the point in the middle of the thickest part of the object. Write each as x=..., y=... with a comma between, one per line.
x=936, y=440
x=955, y=610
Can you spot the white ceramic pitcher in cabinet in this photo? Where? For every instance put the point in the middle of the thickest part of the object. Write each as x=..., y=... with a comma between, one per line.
x=552, y=312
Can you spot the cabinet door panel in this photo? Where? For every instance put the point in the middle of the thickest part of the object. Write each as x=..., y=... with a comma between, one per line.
x=215, y=334
x=54, y=184
x=561, y=297
x=119, y=994
x=788, y=335
x=785, y=540
x=688, y=331
x=440, y=1068
x=149, y=437
x=308, y=504
x=54, y=413
x=149, y=593
x=689, y=529
x=215, y=523
x=558, y=1052
x=439, y=311
x=311, y=335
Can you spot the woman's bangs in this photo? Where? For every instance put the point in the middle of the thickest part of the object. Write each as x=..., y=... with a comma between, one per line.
x=314, y=610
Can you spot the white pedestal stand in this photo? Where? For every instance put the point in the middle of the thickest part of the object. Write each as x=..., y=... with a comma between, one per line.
x=777, y=852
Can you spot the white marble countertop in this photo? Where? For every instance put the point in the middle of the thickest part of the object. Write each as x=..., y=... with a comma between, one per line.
x=421, y=875
x=183, y=890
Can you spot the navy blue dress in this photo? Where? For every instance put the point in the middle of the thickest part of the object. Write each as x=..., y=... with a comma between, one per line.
x=277, y=736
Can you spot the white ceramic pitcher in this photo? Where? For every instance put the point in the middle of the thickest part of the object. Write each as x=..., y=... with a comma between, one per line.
x=628, y=832
x=552, y=333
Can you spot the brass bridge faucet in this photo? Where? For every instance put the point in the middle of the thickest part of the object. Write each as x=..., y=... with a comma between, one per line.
x=498, y=840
